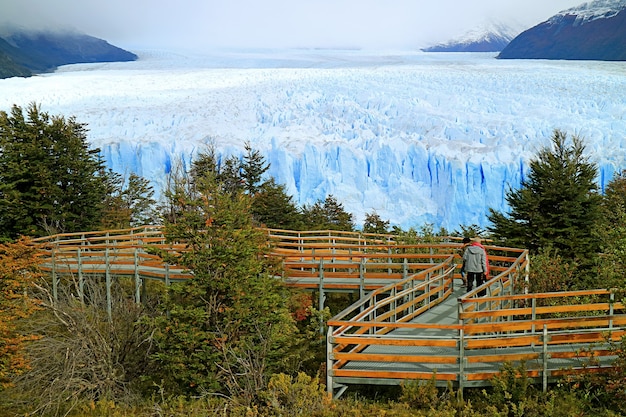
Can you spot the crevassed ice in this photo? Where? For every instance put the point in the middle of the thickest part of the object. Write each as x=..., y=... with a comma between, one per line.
x=416, y=137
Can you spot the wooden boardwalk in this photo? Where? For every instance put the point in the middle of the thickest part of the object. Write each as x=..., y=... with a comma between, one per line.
x=413, y=320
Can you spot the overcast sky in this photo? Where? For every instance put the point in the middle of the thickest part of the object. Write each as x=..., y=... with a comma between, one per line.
x=276, y=23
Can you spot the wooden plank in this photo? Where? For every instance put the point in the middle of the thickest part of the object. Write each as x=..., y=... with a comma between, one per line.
x=369, y=357
x=586, y=337
x=439, y=376
x=509, y=357
x=368, y=324
x=582, y=354
x=502, y=342
x=394, y=342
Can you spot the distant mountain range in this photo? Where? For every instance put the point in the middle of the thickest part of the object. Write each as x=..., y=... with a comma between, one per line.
x=595, y=30
x=486, y=38
x=24, y=53
x=592, y=31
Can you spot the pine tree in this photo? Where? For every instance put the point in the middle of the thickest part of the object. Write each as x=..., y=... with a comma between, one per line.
x=557, y=206
x=138, y=197
x=374, y=224
x=273, y=208
x=327, y=215
x=252, y=169
x=50, y=181
x=612, y=232
x=228, y=328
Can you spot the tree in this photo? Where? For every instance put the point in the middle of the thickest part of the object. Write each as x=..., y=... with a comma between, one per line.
x=50, y=181
x=229, y=328
x=374, y=224
x=18, y=271
x=273, y=208
x=612, y=232
x=328, y=215
x=557, y=206
x=129, y=203
x=252, y=169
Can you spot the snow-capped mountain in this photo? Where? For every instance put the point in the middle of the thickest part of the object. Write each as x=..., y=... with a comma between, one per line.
x=594, y=30
x=491, y=37
x=417, y=138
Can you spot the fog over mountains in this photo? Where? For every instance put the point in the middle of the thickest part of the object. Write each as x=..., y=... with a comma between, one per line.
x=27, y=52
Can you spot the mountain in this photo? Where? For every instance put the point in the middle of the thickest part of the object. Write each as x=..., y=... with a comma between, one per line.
x=486, y=38
x=23, y=53
x=592, y=31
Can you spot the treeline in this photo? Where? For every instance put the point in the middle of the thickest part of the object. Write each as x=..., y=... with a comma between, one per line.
x=234, y=340
x=52, y=182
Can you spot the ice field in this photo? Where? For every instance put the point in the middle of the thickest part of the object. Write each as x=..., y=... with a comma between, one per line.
x=416, y=137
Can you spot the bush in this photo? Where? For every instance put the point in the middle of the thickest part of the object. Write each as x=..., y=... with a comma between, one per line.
x=299, y=396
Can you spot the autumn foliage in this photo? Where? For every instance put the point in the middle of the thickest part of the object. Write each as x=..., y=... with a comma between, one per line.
x=18, y=271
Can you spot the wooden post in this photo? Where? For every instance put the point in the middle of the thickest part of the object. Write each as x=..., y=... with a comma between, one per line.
x=108, y=284
x=411, y=296
x=611, y=308
x=81, y=278
x=545, y=358
x=321, y=294
x=329, y=361
x=533, y=317
x=362, y=271
x=54, y=277
x=527, y=275
x=137, y=278
x=461, y=361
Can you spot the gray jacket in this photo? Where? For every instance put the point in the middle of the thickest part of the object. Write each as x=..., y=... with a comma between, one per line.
x=475, y=259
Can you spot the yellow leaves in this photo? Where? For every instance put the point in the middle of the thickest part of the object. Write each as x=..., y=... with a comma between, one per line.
x=18, y=271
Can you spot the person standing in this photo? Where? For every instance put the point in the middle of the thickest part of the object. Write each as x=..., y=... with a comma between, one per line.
x=475, y=264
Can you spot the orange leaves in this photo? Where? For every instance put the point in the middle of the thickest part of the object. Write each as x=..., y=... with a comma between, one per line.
x=18, y=270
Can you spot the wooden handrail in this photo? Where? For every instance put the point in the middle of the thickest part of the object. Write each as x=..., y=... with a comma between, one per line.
x=398, y=283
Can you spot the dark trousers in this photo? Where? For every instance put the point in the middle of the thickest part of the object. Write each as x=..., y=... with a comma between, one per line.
x=479, y=277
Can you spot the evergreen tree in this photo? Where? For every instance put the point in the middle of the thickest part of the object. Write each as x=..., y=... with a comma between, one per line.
x=50, y=181
x=229, y=328
x=374, y=224
x=612, y=232
x=205, y=163
x=129, y=203
x=252, y=169
x=273, y=208
x=614, y=201
x=557, y=206
x=115, y=214
x=328, y=215
x=138, y=197
x=229, y=175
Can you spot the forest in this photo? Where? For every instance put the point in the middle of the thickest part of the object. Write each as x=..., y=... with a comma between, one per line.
x=234, y=340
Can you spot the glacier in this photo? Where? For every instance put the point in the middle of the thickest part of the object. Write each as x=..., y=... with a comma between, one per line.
x=418, y=138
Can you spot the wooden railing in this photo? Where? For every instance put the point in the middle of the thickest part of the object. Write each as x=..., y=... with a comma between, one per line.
x=380, y=339
x=553, y=334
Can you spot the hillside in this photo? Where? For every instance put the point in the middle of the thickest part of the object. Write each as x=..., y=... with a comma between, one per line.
x=592, y=31
x=25, y=53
